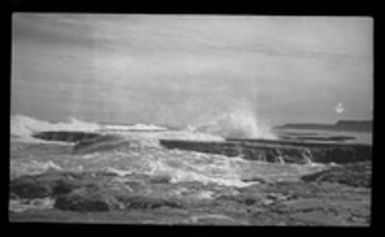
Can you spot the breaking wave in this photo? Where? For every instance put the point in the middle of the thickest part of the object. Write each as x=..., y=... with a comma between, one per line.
x=35, y=204
x=239, y=122
x=33, y=167
x=139, y=126
x=200, y=168
x=24, y=126
x=177, y=166
x=236, y=123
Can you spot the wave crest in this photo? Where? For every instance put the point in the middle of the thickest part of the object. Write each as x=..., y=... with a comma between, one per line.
x=192, y=166
x=236, y=123
x=24, y=126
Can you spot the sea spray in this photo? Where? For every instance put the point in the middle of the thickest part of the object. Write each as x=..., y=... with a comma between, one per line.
x=183, y=166
x=237, y=122
x=24, y=126
x=20, y=168
x=22, y=205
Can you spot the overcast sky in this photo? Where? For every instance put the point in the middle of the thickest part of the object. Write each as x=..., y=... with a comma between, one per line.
x=175, y=69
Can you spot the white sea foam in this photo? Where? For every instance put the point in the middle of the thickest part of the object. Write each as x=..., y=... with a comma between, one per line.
x=192, y=166
x=197, y=218
x=118, y=171
x=22, y=205
x=24, y=126
x=139, y=126
x=151, y=139
x=33, y=167
x=179, y=166
x=238, y=122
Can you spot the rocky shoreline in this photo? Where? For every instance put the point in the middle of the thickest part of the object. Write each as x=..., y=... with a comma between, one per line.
x=339, y=195
x=249, y=149
x=333, y=197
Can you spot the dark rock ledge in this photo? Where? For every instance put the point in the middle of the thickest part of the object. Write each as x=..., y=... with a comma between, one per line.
x=85, y=142
x=66, y=136
x=259, y=149
x=278, y=151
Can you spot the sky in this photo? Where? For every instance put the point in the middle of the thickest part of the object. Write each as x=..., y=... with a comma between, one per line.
x=180, y=69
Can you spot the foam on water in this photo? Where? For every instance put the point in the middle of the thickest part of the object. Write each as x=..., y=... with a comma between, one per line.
x=142, y=154
x=22, y=205
x=183, y=172
x=179, y=166
x=24, y=126
x=139, y=126
x=19, y=168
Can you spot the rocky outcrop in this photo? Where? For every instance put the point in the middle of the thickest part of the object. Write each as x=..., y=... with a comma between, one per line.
x=88, y=192
x=84, y=200
x=65, y=136
x=278, y=151
x=111, y=199
x=44, y=185
x=355, y=174
x=98, y=144
x=145, y=202
x=342, y=125
x=85, y=142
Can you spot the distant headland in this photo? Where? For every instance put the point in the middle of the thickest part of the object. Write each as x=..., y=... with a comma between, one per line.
x=345, y=125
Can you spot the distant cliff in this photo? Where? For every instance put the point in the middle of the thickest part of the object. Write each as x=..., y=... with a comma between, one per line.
x=345, y=125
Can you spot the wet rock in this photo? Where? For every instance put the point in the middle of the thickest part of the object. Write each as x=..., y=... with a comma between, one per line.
x=316, y=217
x=160, y=179
x=240, y=201
x=257, y=179
x=99, y=143
x=27, y=188
x=43, y=185
x=277, y=196
x=277, y=151
x=305, y=205
x=213, y=219
x=65, y=136
x=355, y=174
x=143, y=202
x=83, y=200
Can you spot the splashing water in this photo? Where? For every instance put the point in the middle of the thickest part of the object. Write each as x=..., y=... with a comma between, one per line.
x=308, y=157
x=35, y=204
x=198, y=167
x=33, y=167
x=139, y=126
x=23, y=126
x=239, y=122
